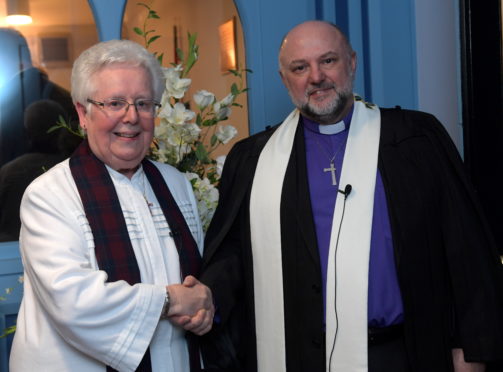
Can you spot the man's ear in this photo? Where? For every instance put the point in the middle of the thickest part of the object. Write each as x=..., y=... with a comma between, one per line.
x=353, y=62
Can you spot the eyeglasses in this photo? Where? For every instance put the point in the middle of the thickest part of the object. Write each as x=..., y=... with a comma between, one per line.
x=116, y=106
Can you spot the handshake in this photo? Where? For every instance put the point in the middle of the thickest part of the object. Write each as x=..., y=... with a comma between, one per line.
x=191, y=306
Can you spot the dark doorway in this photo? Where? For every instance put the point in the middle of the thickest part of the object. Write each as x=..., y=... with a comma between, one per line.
x=481, y=49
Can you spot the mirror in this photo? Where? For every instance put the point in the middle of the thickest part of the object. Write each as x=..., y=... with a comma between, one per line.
x=35, y=68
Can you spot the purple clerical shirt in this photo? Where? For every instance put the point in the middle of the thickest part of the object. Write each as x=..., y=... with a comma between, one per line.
x=384, y=298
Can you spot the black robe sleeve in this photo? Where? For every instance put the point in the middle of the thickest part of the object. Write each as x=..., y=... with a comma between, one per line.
x=226, y=263
x=448, y=267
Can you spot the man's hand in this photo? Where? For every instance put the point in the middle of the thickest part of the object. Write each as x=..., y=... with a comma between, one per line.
x=458, y=359
x=191, y=306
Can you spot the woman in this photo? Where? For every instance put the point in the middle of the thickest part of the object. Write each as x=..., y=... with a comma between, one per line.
x=107, y=236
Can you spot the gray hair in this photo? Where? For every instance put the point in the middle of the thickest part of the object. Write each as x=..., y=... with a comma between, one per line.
x=107, y=53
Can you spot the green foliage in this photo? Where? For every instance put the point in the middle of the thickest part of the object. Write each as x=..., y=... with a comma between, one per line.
x=61, y=123
x=146, y=33
x=192, y=55
x=7, y=331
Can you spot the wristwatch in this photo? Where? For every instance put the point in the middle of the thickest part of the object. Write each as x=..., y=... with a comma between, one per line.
x=165, y=308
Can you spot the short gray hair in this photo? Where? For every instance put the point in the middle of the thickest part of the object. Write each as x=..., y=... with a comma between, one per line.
x=107, y=53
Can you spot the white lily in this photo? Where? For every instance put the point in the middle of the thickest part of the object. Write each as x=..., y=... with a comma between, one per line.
x=203, y=99
x=225, y=133
x=175, y=87
x=222, y=112
x=229, y=98
x=177, y=114
x=220, y=164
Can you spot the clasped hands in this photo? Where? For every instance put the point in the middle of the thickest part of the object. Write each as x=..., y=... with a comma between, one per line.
x=191, y=306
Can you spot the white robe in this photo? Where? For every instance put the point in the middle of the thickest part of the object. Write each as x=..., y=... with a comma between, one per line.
x=70, y=318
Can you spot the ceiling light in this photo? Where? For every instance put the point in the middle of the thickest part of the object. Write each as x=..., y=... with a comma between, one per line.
x=18, y=12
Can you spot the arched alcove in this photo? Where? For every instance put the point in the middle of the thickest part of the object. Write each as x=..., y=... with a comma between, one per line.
x=206, y=20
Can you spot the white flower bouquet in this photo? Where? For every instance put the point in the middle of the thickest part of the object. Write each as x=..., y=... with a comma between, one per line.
x=187, y=139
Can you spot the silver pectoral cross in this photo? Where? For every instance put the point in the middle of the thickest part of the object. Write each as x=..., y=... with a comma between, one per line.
x=331, y=170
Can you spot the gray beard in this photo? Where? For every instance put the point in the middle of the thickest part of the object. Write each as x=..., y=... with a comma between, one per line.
x=327, y=115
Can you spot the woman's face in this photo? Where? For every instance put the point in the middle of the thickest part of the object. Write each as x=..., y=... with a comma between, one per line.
x=119, y=139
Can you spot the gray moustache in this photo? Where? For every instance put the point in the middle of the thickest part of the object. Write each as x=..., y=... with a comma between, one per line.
x=328, y=86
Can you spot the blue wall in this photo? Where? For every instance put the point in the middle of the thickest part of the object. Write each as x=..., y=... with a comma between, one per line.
x=384, y=33
x=264, y=25
x=400, y=62
x=108, y=17
x=11, y=269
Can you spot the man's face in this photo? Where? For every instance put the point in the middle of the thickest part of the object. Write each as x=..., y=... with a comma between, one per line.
x=317, y=68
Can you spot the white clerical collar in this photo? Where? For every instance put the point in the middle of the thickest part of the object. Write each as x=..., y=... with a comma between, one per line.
x=332, y=128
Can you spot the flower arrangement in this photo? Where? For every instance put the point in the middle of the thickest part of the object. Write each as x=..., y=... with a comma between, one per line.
x=187, y=139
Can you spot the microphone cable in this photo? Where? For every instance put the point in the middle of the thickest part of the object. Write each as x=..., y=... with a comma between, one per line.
x=346, y=192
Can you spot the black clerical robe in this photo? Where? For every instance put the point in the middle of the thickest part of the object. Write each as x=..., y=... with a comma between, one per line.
x=447, y=263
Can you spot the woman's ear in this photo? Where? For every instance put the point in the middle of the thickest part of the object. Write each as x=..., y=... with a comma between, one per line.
x=82, y=112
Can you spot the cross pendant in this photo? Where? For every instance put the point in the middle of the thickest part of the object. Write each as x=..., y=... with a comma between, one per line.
x=331, y=170
x=149, y=205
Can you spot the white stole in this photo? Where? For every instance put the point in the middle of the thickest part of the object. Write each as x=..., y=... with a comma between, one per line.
x=347, y=277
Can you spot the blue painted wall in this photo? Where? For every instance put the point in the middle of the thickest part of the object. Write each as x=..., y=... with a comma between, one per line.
x=391, y=52
x=398, y=57
x=264, y=25
x=384, y=33
x=11, y=269
x=108, y=17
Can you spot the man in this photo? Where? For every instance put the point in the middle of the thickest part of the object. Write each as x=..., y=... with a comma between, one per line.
x=401, y=275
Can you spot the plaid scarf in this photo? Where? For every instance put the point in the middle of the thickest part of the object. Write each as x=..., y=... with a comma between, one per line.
x=113, y=248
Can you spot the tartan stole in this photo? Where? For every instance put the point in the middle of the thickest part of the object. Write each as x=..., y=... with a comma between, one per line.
x=113, y=249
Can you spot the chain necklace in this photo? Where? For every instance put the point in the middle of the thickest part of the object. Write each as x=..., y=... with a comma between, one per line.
x=331, y=169
x=149, y=204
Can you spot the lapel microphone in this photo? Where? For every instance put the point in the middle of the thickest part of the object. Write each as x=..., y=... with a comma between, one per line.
x=346, y=191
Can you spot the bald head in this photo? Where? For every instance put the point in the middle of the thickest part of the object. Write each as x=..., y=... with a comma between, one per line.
x=308, y=30
x=317, y=66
